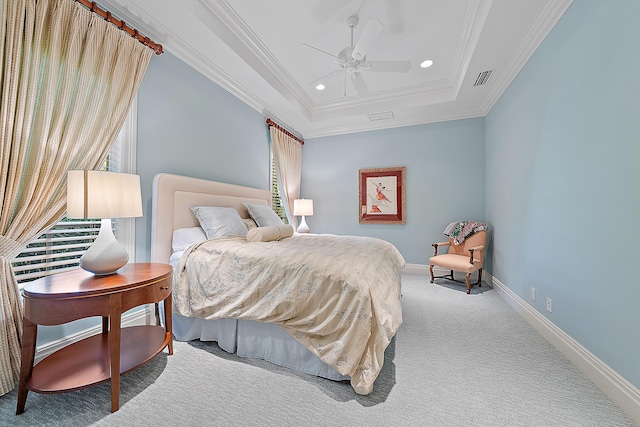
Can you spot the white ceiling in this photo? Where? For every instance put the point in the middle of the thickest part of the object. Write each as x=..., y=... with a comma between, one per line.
x=256, y=50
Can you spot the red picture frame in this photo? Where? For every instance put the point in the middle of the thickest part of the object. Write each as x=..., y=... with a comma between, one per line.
x=381, y=196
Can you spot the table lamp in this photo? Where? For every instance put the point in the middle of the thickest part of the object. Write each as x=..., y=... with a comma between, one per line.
x=103, y=195
x=303, y=207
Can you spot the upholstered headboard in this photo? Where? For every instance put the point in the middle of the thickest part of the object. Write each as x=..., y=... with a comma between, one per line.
x=172, y=195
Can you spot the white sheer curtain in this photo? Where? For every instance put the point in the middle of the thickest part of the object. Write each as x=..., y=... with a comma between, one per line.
x=287, y=155
x=68, y=78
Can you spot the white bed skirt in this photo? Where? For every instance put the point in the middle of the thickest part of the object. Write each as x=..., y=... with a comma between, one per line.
x=257, y=340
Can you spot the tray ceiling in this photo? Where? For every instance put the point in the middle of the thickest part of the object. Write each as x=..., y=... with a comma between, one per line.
x=271, y=54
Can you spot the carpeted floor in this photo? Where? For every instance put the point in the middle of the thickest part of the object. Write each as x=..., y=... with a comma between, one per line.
x=458, y=360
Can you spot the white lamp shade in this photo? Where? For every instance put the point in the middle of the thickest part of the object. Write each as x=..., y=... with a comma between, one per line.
x=303, y=207
x=97, y=194
x=103, y=195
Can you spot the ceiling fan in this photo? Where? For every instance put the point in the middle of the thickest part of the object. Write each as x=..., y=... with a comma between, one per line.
x=353, y=59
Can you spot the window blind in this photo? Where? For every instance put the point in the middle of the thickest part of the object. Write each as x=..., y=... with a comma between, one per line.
x=56, y=250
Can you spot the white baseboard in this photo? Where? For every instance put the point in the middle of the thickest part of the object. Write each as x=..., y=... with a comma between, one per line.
x=144, y=316
x=620, y=391
x=416, y=269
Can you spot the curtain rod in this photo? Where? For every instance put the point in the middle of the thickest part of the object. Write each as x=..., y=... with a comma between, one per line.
x=93, y=7
x=286, y=132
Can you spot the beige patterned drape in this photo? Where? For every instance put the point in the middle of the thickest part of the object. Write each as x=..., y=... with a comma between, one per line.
x=67, y=81
x=287, y=155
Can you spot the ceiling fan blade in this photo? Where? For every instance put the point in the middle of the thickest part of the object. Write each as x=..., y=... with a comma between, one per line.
x=325, y=9
x=371, y=31
x=359, y=84
x=324, y=78
x=394, y=16
x=357, y=12
x=389, y=66
x=345, y=82
x=320, y=50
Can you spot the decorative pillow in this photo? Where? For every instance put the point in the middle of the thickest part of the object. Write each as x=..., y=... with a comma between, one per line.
x=185, y=237
x=250, y=223
x=263, y=215
x=219, y=221
x=270, y=233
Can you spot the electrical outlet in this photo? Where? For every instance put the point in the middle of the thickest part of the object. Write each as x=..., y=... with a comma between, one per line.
x=549, y=305
x=533, y=294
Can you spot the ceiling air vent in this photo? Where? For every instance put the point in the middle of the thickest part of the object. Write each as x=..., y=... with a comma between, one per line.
x=380, y=116
x=483, y=78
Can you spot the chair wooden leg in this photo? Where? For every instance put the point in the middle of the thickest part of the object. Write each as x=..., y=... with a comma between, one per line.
x=479, y=283
x=468, y=283
x=431, y=271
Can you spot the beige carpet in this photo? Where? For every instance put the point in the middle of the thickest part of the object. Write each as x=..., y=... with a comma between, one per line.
x=458, y=360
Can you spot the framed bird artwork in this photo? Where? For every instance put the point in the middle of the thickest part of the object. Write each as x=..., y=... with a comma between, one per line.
x=382, y=195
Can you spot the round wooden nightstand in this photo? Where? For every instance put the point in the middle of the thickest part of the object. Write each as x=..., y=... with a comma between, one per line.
x=77, y=294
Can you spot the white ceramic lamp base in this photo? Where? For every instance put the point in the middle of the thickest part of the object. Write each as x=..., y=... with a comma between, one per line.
x=106, y=255
x=303, y=227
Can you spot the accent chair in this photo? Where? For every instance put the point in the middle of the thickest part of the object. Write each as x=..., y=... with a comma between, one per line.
x=467, y=257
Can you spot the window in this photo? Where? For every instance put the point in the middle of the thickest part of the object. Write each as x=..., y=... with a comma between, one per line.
x=276, y=201
x=60, y=248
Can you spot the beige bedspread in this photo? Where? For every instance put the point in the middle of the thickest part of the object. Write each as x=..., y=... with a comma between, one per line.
x=337, y=295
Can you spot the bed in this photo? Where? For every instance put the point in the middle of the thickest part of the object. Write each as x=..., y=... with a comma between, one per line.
x=362, y=321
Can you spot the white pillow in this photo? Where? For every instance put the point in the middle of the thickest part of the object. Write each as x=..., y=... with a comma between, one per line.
x=263, y=215
x=217, y=221
x=250, y=223
x=270, y=233
x=185, y=237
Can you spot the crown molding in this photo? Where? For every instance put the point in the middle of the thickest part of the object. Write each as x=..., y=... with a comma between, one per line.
x=183, y=51
x=430, y=92
x=249, y=46
x=306, y=117
x=410, y=120
x=544, y=23
x=474, y=21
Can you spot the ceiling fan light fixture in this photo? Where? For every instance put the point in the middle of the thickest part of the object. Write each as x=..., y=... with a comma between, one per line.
x=353, y=58
x=426, y=63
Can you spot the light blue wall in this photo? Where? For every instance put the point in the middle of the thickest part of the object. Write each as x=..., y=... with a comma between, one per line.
x=562, y=180
x=188, y=125
x=444, y=173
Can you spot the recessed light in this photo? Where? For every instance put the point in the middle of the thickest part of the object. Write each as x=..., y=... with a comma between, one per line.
x=320, y=86
x=426, y=63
